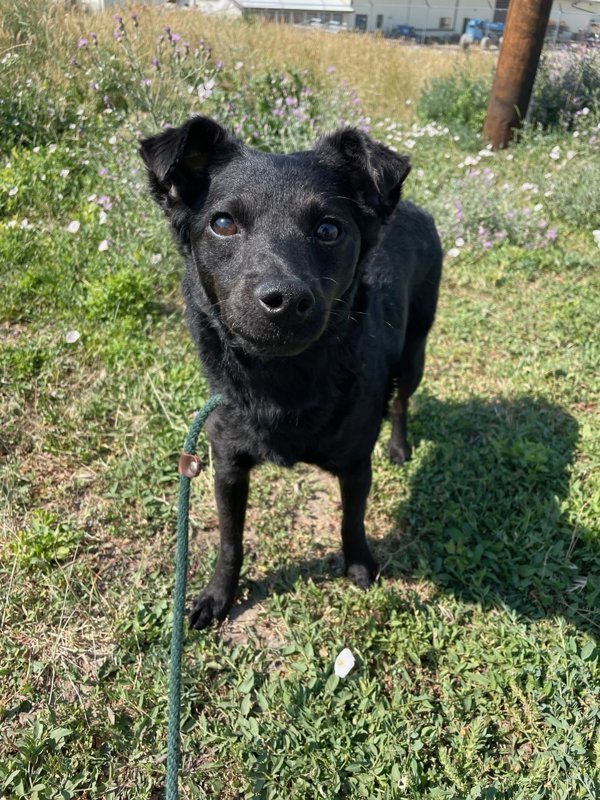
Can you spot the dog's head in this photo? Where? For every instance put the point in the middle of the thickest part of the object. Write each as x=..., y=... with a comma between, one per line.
x=277, y=240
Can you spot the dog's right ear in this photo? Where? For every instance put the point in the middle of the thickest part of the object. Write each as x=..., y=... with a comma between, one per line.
x=177, y=159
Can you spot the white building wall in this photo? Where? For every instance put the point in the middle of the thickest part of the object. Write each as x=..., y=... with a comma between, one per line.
x=427, y=16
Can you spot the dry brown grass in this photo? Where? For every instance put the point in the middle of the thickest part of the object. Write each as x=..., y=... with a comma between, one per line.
x=384, y=72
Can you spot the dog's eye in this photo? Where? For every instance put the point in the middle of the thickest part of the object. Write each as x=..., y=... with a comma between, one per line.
x=327, y=231
x=223, y=225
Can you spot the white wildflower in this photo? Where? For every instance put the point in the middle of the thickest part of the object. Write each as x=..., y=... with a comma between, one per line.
x=596, y=235
x=453, y=252
x=555, y=153
x=12, y=192
x=104, y=245
x=72, y=336
x=344, y=663
x=459, y=242
x=73, y=226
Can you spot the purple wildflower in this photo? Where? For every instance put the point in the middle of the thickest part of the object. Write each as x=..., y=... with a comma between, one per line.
x=83, y=42
x=551, y=234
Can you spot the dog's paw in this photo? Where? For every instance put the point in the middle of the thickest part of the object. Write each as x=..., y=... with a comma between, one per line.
x=208, y=607
x=362, y=575
x=399, y=454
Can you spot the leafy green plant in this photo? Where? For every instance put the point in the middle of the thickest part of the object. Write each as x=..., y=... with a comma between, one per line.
x=567, y=86
x=458, y=99
x=45, y=541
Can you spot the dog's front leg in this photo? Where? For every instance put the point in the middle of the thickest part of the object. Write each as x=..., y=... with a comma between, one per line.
x=231, y=493
x=355, y=485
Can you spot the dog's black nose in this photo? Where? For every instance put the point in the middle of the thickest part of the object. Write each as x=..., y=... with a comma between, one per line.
x=285, y=300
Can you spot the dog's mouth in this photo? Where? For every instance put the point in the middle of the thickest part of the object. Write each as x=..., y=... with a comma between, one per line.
x=263, y=347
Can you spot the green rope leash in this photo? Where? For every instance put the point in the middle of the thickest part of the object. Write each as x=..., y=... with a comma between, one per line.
x=189, y=467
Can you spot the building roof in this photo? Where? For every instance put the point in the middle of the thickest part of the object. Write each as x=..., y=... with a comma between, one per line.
x=336, y=6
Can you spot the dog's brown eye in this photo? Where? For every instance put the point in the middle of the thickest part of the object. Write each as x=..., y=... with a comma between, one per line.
x=223, y=225
x=327, y=231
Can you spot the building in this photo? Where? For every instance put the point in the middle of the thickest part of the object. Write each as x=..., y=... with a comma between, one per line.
x=431, y=20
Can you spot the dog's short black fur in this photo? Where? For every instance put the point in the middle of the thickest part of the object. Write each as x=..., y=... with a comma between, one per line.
x=309, y=315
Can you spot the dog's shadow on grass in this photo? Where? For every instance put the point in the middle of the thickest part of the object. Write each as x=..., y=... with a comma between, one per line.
x=487, y=517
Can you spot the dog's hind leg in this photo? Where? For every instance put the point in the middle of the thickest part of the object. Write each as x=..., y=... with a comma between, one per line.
x=406, y=379
x=231, y=494
x=355, y=485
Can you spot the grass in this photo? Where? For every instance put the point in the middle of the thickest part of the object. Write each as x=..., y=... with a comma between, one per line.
x=477, y=654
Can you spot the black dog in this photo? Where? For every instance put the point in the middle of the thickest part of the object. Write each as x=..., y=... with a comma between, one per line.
x=307, y=315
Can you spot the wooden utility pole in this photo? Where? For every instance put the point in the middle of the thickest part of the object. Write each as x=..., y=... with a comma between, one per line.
x=526, y=25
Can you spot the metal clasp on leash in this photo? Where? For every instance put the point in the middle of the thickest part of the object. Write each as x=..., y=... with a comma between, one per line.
x=189, y=466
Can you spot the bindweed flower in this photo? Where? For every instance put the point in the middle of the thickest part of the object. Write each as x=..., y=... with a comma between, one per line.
x=555, y=153
x=72, y=336
x=104, y=245
x=596, y=235
x=453, y=252
x=344, y=663
x=73, y=226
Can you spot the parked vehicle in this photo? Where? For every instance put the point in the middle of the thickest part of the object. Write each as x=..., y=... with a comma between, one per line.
x=403, y=32
x=477, y=29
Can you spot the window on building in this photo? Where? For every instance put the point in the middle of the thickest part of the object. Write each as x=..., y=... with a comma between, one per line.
x=445, y=23
x=360, y=22
x=379, y=22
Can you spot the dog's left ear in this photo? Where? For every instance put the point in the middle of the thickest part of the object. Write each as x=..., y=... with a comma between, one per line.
x=378, y=171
